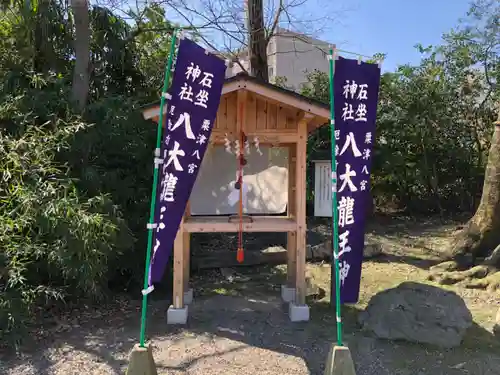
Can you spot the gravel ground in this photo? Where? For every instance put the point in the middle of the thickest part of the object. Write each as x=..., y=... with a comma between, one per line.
x=241, y=327
x=231, y=335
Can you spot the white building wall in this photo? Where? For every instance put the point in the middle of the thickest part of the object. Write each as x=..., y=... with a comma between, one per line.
x=297, y=55
x=290, y=55
x=271, y=59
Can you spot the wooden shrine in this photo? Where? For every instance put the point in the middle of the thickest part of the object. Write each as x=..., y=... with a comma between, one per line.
x=277, y=117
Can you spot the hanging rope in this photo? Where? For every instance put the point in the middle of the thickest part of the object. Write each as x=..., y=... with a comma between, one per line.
x=239, y=185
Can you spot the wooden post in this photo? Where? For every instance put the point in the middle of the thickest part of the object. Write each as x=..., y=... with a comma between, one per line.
x=187, y=249
x=300, y=194
x=291, y=245
x=240, y=115
x=178, y=293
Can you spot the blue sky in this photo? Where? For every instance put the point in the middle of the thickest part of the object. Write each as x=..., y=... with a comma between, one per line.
x=394, y=27
x=367, y=27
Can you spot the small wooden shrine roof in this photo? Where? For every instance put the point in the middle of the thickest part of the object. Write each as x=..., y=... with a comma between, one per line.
x=289, y=98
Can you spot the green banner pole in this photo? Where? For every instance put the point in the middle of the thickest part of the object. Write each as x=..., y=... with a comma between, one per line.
x=335, y=242
x=168, y=69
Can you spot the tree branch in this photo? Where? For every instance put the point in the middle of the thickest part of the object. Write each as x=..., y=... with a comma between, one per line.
x=275, y=21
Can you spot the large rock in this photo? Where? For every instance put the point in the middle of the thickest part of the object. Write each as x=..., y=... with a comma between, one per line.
x=496, y=327
x=324, y=250
x=418, y=313
x=372, y=249
x=319, y=251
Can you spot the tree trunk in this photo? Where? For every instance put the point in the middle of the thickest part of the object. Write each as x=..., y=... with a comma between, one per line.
x=257, y=44
x=43, y=59
x=482, y=233
x=81, y=80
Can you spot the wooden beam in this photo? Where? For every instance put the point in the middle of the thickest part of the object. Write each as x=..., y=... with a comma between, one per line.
x=291, y=243
x=305, y=117
x=269, y=138
x=153, y=112
x=273, y=94
x=292, y=181
x=187, y=259
x=241, y=106
x=316, y=123
x=226, y=259
x=211, y=224
x=278, y=96
x=187, y=249
x=300, y=195
x=178, y=292
x=231, y=87
x=291, y=259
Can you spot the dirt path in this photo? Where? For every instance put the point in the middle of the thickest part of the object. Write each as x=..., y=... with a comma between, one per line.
x=240, y=327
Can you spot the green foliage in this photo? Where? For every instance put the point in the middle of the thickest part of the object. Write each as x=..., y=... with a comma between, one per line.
x=153, y=46
x=55, y=241
x=427, y=157
x=434, y=120
x=75, y=190
x=115, y=158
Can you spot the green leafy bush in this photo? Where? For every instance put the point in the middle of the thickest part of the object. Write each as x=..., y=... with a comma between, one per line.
x=54, y=241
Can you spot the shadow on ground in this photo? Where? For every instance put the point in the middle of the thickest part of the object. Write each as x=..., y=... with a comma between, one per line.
x=406, y=259
x=228, y=333
x=262, y=323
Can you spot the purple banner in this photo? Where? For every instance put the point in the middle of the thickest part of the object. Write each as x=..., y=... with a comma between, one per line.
x=356, y=88
x=191, y=111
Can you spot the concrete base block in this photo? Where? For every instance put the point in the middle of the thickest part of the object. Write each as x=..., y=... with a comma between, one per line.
x=287, y=294
x=188, y=297
x=177, y=316
x=298, y=313
x=141, y=361
x=339, y=361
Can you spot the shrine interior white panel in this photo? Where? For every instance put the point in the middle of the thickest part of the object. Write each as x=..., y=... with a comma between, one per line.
x=265, y=181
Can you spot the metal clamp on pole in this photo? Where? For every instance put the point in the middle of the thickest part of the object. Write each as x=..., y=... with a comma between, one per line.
x=334, y=181
x=158, y=162
x=151, y=226
x=145, y=292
